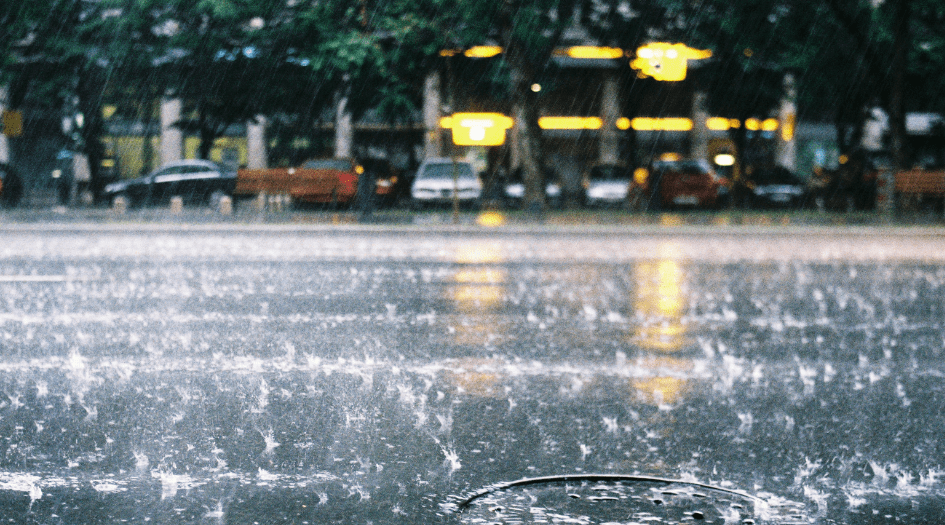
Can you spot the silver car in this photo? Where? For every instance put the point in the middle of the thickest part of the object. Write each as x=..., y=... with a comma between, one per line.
x=606, y=185
x=438, y=180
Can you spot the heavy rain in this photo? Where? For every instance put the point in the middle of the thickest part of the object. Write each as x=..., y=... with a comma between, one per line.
x=472, y=262
x=206, y=376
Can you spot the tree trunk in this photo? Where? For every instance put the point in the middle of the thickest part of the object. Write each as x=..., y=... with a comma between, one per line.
x=897, y=113
x=525, y=113
x=90, y=105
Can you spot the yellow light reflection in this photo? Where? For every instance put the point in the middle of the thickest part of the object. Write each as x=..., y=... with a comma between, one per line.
x=478, y=290
x=660, y=390
x=479, y=253
x=490, y=219
x=623, y=123
x=671, y=220
x=752, y=124
x=660, y=301
x=476, y=376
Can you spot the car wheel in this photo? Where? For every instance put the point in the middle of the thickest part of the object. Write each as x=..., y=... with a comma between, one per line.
x=215, y=198
x=120, y=200
x=12, y=188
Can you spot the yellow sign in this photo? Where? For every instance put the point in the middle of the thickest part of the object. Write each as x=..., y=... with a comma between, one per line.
x=664, y=61
x=570, y=122
x=592, y=52
x=473, y=52
x=661, y=124
x=478, y=129
x=12, y=123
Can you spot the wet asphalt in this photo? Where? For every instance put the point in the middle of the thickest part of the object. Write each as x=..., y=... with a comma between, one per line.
x=324, y=372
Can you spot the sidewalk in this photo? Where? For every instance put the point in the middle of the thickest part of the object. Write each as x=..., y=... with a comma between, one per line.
x=565, y=221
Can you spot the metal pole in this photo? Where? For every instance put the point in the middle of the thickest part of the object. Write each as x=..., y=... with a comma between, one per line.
x=455, y=190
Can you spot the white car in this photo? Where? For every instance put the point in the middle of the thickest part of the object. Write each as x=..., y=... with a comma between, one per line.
x=439, y=179
x=606, y=185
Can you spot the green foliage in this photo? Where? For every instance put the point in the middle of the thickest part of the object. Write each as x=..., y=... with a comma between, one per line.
x=234, y=59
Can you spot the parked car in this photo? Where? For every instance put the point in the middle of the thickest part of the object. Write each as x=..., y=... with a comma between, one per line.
x=439, y=179
x=326, y=181
x=11, y=186
x=196, y=181
x=390, y=186
x=606, y=184
x=514, y=190
x=678, y=183
x=776, y=187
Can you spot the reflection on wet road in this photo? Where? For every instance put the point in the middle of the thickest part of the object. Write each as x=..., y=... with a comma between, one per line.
x=305, y=377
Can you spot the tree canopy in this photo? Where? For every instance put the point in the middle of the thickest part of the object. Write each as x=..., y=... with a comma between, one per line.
x=235, y=59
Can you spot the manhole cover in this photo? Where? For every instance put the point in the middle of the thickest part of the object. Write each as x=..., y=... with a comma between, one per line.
x=621, y=499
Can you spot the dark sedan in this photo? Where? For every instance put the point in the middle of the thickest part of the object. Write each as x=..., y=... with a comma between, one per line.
x=776, y=187
x=195, y=181
x=11, y=186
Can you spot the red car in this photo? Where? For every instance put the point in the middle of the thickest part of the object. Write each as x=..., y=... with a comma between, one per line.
x=326, y=181
x=678, y=183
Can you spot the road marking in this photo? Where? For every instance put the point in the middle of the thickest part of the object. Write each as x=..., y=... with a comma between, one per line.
x=37, y=278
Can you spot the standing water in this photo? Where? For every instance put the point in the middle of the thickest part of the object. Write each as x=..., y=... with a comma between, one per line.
x=218, y=378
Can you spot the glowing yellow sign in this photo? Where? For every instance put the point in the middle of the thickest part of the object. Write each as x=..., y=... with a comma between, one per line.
x=594, y=52
x=661, y=124
x=570, y=122
x=478, y=129
x=473, y=52
x=664, y=61
x=718, y=123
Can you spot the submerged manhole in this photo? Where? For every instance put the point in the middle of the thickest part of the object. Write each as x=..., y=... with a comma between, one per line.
x=613, y=499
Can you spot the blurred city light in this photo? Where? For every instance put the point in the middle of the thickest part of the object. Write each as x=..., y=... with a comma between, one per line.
x=661, y=124
x=665, y=61
x=570, y=123
x=594, y=52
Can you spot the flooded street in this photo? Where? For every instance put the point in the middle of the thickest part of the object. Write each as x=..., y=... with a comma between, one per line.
x=311, y=375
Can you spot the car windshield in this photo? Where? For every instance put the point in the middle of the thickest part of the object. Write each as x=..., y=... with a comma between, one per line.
x=776, y=176
x=328, y=164
x=689, y=167
x=617, y=173
x=446, y=171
